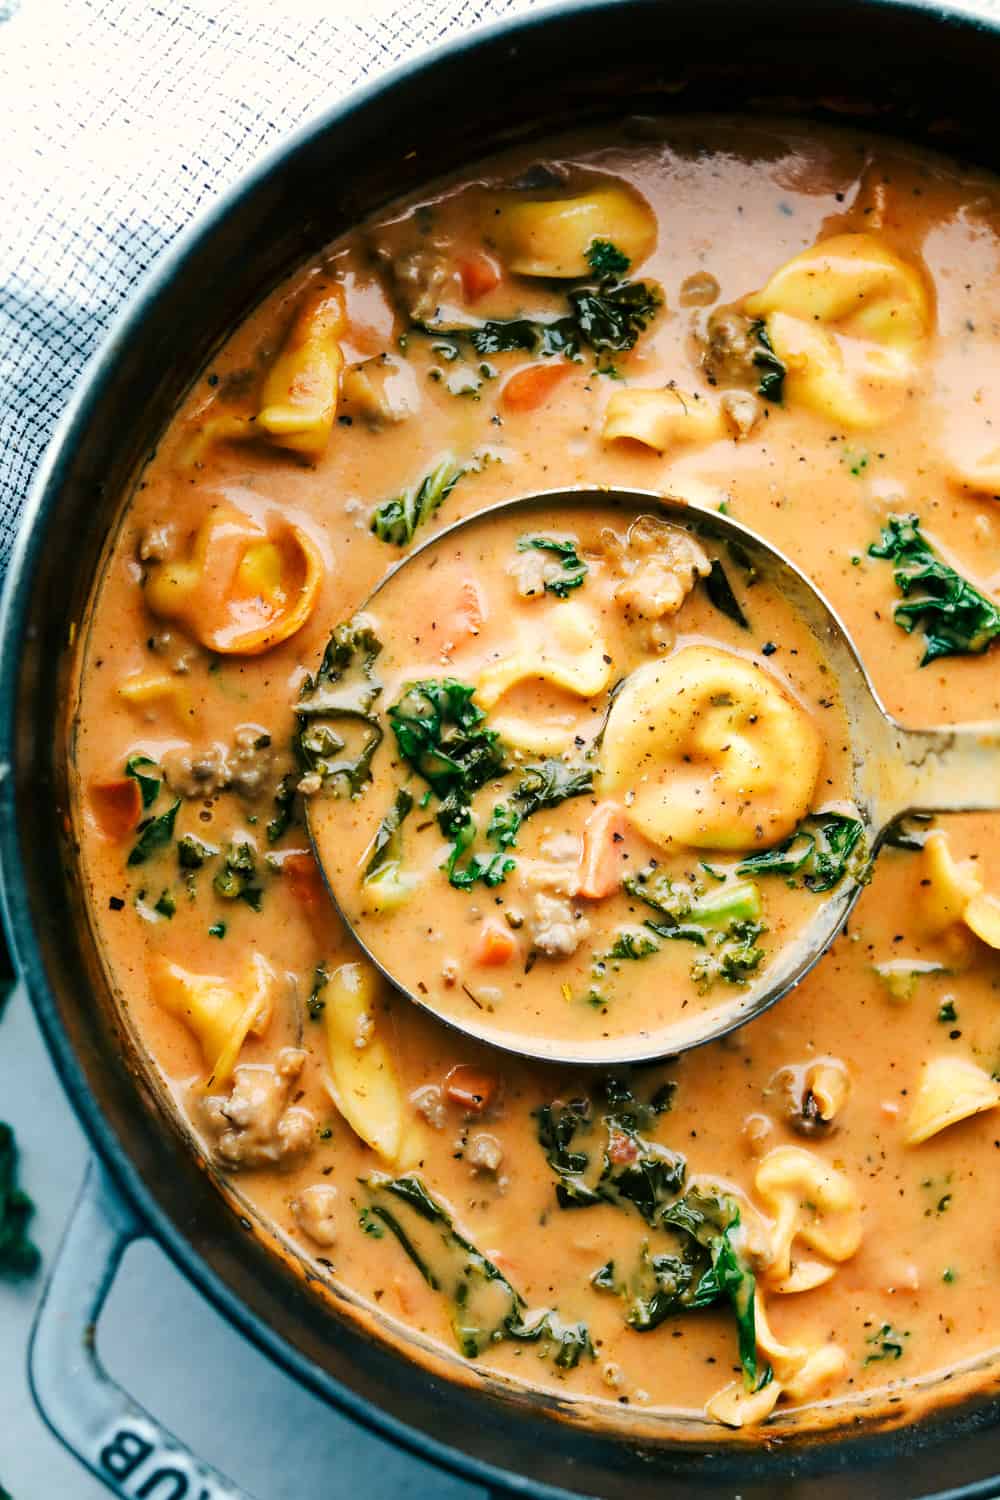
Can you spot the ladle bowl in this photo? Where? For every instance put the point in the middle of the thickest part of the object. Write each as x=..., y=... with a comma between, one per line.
x=895, y=771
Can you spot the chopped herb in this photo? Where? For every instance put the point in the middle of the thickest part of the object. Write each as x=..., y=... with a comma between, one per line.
x=886, y=1343
x=720, y=592
x=574, y=569
x=192, y=853
x=371, y=1225
x=441, y=734
x=284, y=801
x=217, y=930
x=949, y=1274
x=138, y=767
x=822, y=850
x=632, y=944
x=237, y=877
x=387, y=845
x=154, y=835
x=485, y=1307
x=491, y=869
x=167, y=905
x=607, y=262
x=947, y=1011
x=955, y=617
x=773, y=372
x=396, y=521
x=18, y=1256
x=504, y=824
x=549, y=783
x=338, y=702
x=316, y=1004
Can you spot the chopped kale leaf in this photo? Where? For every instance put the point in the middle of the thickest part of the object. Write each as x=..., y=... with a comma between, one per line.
x=154, y=834
x=316, y=1004
x=387, y=845
x=192, y=853
x=442, y=735
x=485, y=1307
x=284, y=802
x=720, y=592
x=822, y=850
x=607, y=262
x=139, y=768
x=338, y=702
x=955, y=617
x=549, y=783
x=574, y=569
x=773, y=372
x=237, y=878
x=396, y=521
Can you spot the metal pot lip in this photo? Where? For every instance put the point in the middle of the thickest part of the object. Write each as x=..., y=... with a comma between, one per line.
x=40, y=510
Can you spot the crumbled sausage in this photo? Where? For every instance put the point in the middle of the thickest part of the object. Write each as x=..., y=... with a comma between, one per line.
x=658, y=564
x=245, y=767
x=556, y=929
x=742, y=411
x=381, y=390
x=483, y=1152
x=729, y=346
x=314, y=1211
x=429, y=1102
x=254, y=1125
x=531, y=571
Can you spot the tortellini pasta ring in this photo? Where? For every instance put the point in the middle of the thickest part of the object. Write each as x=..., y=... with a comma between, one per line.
x=809, y=1201
x=298, y=400
x=950, y=1089
x=242, y=588
x=220, y=1013
x=849, y=319
x=551, y=236
x=661, y=419
x=571, y=655
x=363, y=1081
x=707, y=750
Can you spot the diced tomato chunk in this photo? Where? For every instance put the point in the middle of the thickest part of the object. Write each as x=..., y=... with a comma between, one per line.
x=603, y=846
x=117, y=806
x=479, y=274
x=304, y=878
x=495, y=945
x=531, y=387
x=470, y=1087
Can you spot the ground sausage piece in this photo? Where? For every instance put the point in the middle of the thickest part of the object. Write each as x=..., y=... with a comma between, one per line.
x=157, y=543
x=251, y=761
x=483, y=1152
x=555, y=929
x=246, y=767
x=254, y=1126
x=314, y=1211
x=729, y=344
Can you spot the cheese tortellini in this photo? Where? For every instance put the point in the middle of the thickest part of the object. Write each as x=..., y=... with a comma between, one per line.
x=220, y=1013
x=551, y=236
x=363, y=1081
x=662, y=419
x=950, y=1089
x=707, y=750
x=952, y=894
x=810, y=1202
x=242, y=588
x=849, y=320
x=571, y=656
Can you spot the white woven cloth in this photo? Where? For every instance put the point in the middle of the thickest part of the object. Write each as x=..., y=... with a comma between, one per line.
x=121, y=120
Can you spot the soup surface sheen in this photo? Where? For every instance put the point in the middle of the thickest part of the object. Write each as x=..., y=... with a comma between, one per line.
x=795, y=326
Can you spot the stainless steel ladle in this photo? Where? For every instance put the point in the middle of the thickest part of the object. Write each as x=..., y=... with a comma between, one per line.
x=895, y=771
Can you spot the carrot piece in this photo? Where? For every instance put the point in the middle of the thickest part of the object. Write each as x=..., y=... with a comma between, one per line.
x=470, y=1087
x=470, y=612
x=603, y=842
x=495, y=944
x=531, y=387
x=117, y=806
x=304, y=878
x=479, y=274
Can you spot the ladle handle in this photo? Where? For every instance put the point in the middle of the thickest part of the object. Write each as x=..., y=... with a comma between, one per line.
x=942, y=770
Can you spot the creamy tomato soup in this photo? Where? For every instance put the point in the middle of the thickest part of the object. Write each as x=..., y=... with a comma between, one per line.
x=793, y=326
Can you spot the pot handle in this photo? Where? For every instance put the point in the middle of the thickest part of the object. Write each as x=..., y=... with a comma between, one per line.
x=135, y=1456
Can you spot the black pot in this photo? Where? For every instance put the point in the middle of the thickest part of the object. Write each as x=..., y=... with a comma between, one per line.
x=922, y=72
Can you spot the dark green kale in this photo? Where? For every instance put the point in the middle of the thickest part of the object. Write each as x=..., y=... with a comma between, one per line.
x=505, y=822
x=396, y=521
x=316, y=1004
x=338, y=733
x=443, y=736
x=773, y=372
x=154, y=834
x=18, y=1256
x=549, y=783
x=192, y=853
x=632, y=945
x=491, y=869
x=574, y=569
x=284, y=802
x=387, y=845
x=139, y=768
x=725, y=921
x=485, y=1307
x=237, y=878
x=607, y=262
x=909, y=832
x=629, y=1169
x=822, y=850
x=734, y=955
x=166, y=906
x=720, y=591
x=604, y=318
x=955, y=617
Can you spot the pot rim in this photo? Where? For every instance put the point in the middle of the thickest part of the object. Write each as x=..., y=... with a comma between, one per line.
x=41, y=504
